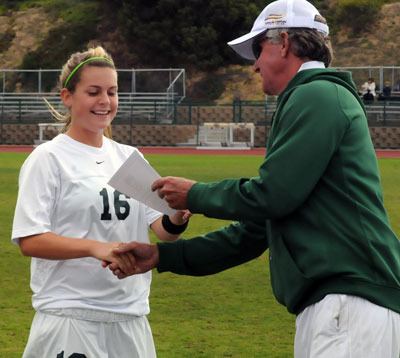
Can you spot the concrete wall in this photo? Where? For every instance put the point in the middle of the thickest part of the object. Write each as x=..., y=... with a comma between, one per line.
x=170, y=135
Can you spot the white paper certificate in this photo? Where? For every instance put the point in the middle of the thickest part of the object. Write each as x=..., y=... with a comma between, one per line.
x=134, y=179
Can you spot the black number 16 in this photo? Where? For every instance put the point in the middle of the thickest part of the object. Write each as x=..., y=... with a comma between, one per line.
x=121, y=207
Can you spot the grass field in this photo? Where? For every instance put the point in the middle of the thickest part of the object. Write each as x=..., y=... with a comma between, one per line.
x=231, y=314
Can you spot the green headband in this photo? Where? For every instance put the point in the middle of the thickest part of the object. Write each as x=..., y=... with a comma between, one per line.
x=90, y=59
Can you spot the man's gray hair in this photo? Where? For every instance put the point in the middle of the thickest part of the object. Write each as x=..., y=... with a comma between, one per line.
x=305, y=43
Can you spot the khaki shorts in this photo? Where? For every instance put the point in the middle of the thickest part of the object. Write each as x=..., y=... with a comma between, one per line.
x=343, y=326
x=77, y=333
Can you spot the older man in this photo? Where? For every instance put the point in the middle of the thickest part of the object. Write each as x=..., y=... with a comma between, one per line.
x=316, y=204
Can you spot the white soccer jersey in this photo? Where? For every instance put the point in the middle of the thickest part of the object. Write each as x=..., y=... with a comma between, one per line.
x=63, y=189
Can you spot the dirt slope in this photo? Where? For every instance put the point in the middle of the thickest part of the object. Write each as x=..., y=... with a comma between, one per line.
x=23, y=31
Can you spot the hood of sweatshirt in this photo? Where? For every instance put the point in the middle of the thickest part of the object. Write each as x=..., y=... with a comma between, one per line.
x=342, y=78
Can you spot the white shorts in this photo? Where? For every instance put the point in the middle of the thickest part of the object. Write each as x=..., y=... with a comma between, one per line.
x=76, y=333
x=343, y=326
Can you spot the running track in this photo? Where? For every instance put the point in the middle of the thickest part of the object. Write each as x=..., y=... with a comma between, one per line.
x=389, y=153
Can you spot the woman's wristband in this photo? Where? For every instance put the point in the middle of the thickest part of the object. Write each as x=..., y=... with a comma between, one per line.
x=172, y=228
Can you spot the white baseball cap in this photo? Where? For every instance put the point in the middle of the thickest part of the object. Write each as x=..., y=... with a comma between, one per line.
x=280, y=14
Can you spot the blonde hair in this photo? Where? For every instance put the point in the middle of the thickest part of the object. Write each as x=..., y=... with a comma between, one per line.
x=71, y=73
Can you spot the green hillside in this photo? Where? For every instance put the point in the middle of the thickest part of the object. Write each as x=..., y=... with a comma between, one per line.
x=180, y=33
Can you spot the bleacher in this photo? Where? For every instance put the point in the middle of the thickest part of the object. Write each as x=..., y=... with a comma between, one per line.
x=384, y=112
x=145, y=95
x=139, y=106
x=379, y=111
x=159, y=107
x=152, y=112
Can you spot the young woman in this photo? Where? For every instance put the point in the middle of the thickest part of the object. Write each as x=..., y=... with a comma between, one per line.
x=69, y=220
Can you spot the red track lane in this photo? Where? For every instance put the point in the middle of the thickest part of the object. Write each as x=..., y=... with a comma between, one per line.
x=194, y=151
x=387, y=153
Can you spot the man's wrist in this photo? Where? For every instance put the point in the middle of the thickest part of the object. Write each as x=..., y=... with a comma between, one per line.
x=168, y=255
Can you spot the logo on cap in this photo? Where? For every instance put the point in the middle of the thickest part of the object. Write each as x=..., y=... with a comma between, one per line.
x=276, y=19
x=319, y=18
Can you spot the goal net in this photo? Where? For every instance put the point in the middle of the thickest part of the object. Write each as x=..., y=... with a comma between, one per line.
x=227, y=135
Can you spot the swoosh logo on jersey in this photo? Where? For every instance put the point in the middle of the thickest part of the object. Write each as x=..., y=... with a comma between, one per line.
x=99, y=162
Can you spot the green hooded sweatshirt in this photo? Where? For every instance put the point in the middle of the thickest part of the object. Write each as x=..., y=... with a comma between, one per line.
x=316, y=204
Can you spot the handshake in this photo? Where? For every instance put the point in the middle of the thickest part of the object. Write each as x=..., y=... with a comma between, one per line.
x=126, y=259
x=132, y=258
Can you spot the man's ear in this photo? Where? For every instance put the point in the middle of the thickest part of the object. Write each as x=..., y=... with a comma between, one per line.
x=285, y=44
x=66, y=97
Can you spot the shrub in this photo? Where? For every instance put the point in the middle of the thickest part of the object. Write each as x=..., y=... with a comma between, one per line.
x=79, y=27
x=6, y=39
x=186, y=33
x=358, y=15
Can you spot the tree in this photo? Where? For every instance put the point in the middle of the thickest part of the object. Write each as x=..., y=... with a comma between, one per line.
x=358, y=15
x=191, y=33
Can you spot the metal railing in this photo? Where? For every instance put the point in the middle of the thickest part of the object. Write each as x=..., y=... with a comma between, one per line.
x=379, y=113
x=150, y=93
x=156, y=96
x=145, y=108
x=139, y=106
x=381, y=75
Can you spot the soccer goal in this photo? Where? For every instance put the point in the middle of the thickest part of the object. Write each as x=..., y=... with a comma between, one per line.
x=51, y=128
x=238, y=135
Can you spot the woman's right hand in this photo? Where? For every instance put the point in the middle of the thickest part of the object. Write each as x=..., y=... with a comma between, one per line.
x=104, y=251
